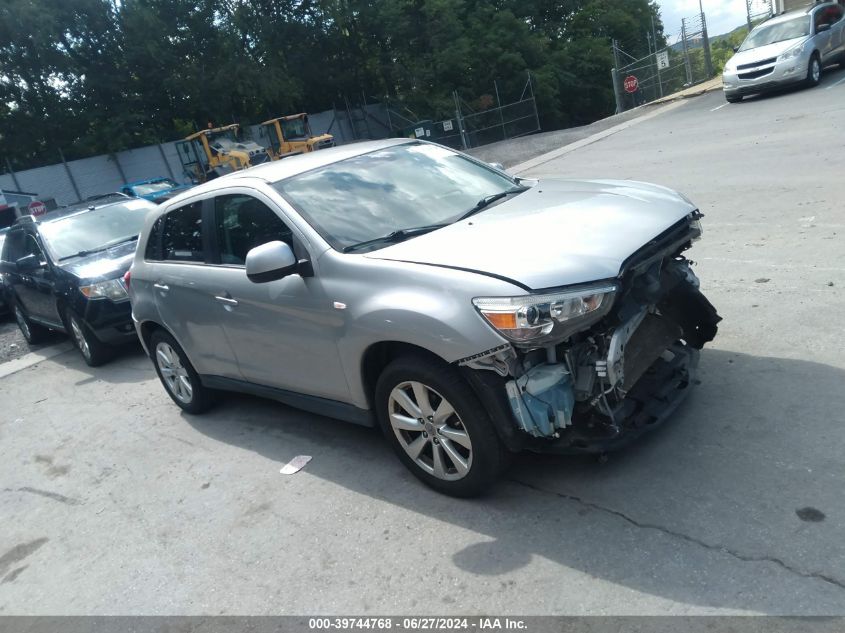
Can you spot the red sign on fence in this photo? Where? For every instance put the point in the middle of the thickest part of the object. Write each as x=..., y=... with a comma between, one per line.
x=631, y=84
x=36, y=208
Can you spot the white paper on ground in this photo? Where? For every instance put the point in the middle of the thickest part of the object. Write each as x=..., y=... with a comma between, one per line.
x=295, y=465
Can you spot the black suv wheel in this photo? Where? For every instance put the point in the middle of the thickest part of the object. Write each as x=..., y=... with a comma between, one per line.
x=32, y=332
x=93, y=351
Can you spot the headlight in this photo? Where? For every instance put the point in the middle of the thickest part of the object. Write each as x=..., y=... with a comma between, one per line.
x=536, y=319
x=791, y=53
x=112, y=289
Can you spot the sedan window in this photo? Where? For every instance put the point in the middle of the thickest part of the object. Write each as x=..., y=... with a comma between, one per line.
x=392, y=189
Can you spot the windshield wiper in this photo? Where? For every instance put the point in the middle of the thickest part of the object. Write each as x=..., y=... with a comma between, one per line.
x=395, y=237
x=100, y=249
x=488, y=200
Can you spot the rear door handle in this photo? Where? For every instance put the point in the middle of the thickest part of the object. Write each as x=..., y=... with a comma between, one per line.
x=227, y=300
x=161, y=286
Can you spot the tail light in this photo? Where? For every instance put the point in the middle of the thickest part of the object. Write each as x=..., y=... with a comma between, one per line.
x=126, y=278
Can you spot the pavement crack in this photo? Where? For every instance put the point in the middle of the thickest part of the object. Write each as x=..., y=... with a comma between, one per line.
x=749, y=558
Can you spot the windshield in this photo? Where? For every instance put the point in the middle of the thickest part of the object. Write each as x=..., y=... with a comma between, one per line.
x=94, y=230
x=154, y=187
x=395, y=188
x=294, y=128
x=778, y=32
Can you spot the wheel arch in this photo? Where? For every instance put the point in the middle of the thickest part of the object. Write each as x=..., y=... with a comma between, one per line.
x=379, y=355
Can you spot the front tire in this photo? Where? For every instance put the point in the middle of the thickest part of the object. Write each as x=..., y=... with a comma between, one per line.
x=178, y=376
x=437, y=426
x=94, y=352
x=814, y=71
x=733, y=99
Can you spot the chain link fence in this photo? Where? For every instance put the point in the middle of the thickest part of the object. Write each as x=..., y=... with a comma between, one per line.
x=482, y=121
x=684, y=63
x=759, y=10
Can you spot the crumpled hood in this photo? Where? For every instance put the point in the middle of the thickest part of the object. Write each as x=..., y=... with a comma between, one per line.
x=104, y=265
x=762, y=53
x=558, y=233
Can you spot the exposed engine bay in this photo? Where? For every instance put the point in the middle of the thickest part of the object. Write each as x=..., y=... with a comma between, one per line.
x=626, y=372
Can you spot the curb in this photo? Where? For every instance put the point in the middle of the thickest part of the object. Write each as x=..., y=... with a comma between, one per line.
x=571, y=147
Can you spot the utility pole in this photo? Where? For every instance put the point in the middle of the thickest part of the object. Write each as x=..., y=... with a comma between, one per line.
x=656, y=62
x=708, y=60
x=686, y=50
x=614, y=74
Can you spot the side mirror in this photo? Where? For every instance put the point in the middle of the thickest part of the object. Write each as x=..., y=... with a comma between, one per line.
x=498, y=166
x=269, y=262
x=821, y=28
x=736, y=49
x=28, y=264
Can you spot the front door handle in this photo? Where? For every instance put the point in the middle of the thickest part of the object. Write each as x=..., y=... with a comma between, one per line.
x=227, y=300
x=161, y=286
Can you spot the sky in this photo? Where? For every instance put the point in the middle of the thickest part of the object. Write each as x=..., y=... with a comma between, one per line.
x=722, y=15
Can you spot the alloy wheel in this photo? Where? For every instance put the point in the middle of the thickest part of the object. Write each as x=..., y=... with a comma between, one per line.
x=22, y=323
x=430, y=431
x=79, y=337
x=816, y=70
x=174, y=375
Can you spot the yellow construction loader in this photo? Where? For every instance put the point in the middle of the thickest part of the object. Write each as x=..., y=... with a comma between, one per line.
x=217, y=151
x=291, y=135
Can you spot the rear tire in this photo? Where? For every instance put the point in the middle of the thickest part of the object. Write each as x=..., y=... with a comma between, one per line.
x=94, y=351
x=814, y=71
x=437, y=426
x=32, y=332
x=177, y=375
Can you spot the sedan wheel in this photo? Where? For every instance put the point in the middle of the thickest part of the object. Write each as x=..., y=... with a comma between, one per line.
x=173, y=374
x=430, y=431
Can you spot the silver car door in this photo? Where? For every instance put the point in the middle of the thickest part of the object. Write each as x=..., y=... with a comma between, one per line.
x=183, y=286
x=283, y=332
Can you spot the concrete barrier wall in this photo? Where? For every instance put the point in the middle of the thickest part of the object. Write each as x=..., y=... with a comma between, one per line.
x=102, y=174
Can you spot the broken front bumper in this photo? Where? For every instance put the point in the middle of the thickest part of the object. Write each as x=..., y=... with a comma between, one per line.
x=648, y=405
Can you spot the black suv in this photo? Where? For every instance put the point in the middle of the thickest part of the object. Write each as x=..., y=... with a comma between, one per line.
x=64, y=271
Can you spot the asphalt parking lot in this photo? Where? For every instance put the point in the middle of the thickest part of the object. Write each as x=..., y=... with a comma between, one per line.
x=115, y=502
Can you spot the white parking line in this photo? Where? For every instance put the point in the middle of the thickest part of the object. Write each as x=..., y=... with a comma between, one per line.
x=835, y=84
x=10, y=367
x=719, y=107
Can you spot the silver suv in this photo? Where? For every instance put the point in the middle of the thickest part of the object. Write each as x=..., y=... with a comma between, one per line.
x=398, y=283
x=789, y=48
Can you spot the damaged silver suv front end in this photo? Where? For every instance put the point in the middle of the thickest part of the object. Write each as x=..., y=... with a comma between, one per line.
x=591, y=367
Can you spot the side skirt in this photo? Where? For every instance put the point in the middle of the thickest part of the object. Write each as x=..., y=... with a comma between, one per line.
x=312, y=404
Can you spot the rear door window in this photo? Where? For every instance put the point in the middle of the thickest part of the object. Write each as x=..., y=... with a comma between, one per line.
x=182, y=234
x=241, y=223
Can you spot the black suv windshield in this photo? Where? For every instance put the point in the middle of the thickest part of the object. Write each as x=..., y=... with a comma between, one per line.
x=94, y=230
x=392, y=189
x=777, y=32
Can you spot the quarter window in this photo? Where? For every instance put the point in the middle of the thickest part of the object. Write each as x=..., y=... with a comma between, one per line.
x=182, y=236
x=242, y=223
x=153, y=250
